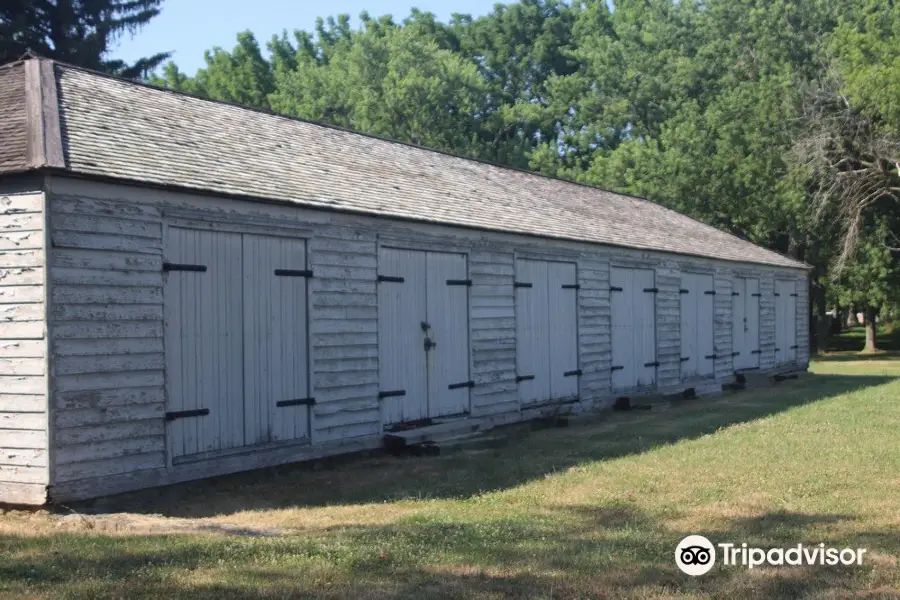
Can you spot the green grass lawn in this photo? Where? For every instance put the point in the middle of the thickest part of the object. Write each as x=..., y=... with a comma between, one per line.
x=590, y=511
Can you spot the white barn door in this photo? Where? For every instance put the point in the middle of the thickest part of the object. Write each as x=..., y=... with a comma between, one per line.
x=204, y=347
x=276, y=382
x=403, y=387
x=745, y=323
x=785, y=322
x=633, y=310
x=562, y=297
x=423, y=335
x=532, y=331
x=447, y=316
x=546, y=331
x=697, y=343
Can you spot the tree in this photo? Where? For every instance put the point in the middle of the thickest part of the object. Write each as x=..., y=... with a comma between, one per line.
x=79, y=32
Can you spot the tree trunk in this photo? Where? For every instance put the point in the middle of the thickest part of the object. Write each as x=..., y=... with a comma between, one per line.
x=871, y=329
x=822, y=323
x=851, y=317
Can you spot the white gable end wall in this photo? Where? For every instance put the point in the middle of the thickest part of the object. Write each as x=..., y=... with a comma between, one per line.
x=108, y=293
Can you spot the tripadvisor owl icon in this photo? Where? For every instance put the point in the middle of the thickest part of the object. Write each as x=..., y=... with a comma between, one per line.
x=695, y=555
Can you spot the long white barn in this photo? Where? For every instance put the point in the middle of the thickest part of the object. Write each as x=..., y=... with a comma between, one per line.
x=190, y=288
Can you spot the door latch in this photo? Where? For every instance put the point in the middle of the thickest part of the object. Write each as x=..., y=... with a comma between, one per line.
x=429, y=344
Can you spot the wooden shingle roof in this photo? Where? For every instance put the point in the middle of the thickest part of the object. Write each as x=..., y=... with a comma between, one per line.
x=115, y=128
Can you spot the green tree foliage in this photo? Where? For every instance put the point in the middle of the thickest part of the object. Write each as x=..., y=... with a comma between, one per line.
x=79, y=32
x=701, y=105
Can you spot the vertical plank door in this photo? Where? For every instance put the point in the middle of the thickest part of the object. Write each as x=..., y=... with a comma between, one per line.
x=644, y=302
x=621, y=283
x=562, y=350
x=447, y=314
x=532, y=331
x=697, y=336
x=276, y=368
x=204, y=349
x=402, y=313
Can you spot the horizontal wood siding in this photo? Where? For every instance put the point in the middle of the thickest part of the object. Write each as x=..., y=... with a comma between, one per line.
x=108, y=373
x=343, y=329
x=24, y=451
x=767, y=321
x=668, y=326
x=594, y=330
x=107, y=338
x=492, y=307
x=722, y=326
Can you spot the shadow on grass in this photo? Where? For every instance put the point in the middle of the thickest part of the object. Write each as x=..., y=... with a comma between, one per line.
x=582, y=551
x=850, y=343
x=526, y=456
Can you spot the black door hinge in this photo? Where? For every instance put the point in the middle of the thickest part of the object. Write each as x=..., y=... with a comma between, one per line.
x=651, y=290
x=756, y=295
x=613, y=288
x=466, y=282
x=616, y=368
x=710, y=356
x=464, y=384
x=756, y=352
x=571, y=373
x=524, y=378
x=684, y=291
x=296, y=402
x=391, y=394
x=733, y=354
x=183, y=414
x=293, y=273
x=735, y=293
x=521, y=284
x=685, y=358
x=655, y=363
x=177, y=267
x=710, y=292
x=389, y=279
x=571, y=286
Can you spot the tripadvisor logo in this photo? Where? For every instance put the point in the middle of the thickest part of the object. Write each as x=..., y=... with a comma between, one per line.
x=696, y=555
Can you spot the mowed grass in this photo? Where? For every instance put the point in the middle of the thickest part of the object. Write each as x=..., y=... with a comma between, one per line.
x=594, y=510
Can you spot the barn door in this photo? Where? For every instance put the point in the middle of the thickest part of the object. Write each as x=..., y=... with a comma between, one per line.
x=447, y=316
x=745, y=323
x=697, y=350
x=633, y=310
x=403, y=387
x=276, y=387
x=785, y=322
x=204, y=349
x=546, y=331
x=423, y=335
x=562, y=297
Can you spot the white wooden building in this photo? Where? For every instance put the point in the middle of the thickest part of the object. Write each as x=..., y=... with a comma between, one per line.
x=190, y=288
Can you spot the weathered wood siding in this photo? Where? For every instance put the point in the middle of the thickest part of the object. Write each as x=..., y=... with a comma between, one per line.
x=24, y=464
x=107, y=328
x=106, y=336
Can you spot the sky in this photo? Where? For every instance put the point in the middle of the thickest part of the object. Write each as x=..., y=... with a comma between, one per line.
x=189, y=27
